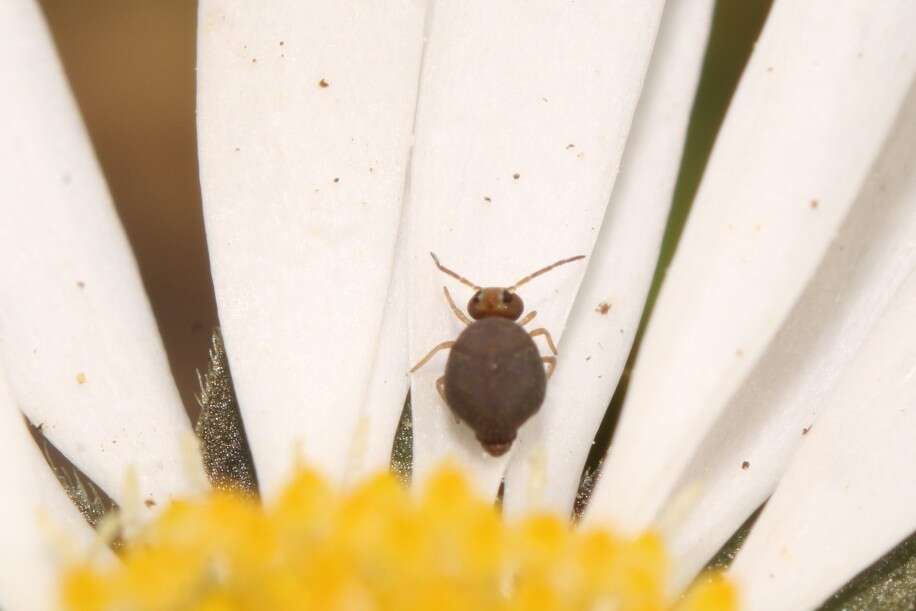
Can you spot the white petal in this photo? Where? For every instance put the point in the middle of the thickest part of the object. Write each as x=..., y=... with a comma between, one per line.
x=810, y=115
x=544, y=471
x=77, y=338
x=33, y=504
x=766, y=420
x=849, y=493
x=389, y=381
x=496, y=191
x=305, y=113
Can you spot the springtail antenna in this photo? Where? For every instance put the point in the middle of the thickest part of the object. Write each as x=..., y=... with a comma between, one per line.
x=457, y=277
x=543, y=270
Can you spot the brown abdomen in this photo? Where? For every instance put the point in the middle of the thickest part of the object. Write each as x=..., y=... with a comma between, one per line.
x=494, y=379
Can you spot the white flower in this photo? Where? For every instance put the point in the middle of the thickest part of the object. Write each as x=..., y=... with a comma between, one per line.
x=327, y=179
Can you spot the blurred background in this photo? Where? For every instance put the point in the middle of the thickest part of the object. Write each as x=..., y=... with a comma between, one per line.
x=131, y=66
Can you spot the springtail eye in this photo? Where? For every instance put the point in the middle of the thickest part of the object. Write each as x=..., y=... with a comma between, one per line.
x=507, y=297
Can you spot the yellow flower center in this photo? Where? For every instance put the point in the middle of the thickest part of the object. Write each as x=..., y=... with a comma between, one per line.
x=377, y=548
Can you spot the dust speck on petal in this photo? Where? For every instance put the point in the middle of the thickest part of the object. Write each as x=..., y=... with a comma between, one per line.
x=814, y=204
x=323, y=84
x=603, y=308
x=81, y=378
x=745, y=465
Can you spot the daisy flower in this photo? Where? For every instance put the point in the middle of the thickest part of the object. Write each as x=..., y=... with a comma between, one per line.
x=340, y=143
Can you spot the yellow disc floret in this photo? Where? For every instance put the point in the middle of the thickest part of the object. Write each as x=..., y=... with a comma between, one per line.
x=377, y=548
